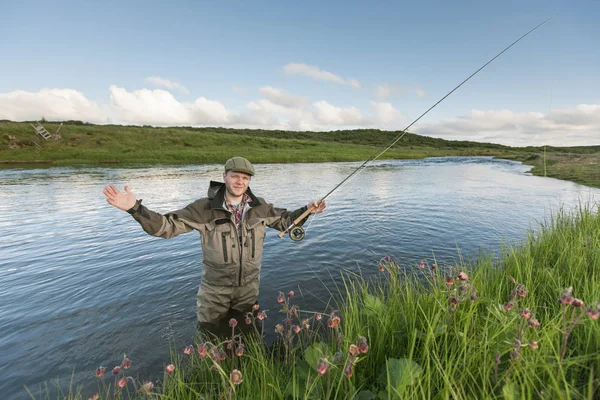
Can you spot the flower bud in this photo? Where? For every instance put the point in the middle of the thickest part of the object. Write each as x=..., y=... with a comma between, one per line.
x=188, y=349
x=322, y=366
x=362, y=344
x=280, y=298
x=100, y=372
x=508, y=306
x=526, y=313
x=255, y=307
x=126, y=363
x=169, y=368
x=202, y=350
x=233, y=322
x=534, y=345
x=122, y=382
x=318, y=316
x=462, y=276
x=449, y=281
x=116, y=370
x=296, y=329
x=291, y=293
x=240, y=350
x=533, y=323
x=578, y=303
x=353, y=350
x=279, y=328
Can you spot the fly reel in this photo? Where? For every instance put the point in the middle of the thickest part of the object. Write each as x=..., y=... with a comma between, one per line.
x=297, y=233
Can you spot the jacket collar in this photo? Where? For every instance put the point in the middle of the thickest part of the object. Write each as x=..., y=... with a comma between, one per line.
x=216, y=195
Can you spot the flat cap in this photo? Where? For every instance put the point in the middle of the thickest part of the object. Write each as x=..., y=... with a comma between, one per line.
x=239, y=164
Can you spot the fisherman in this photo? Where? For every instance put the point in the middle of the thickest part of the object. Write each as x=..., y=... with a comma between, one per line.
x=232, y=223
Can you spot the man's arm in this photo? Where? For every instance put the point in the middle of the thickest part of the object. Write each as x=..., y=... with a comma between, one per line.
x=282, y=218
x=165, y=226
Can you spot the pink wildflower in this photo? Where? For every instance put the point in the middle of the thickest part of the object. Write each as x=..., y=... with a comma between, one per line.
x=353, y=350
x=593, y=314
x=462, y=276
x=508, y=306
x=291, y=293
x=126, y=363
x=116, y=370
x=169, y=368
x=318, y=316
x=202, y=350
x=526, y=313
x=449, y=281
x=233, y=322
x=280, y=298
x=322, y=366
x=122, y=382
x=188, y=349
x=296, y=329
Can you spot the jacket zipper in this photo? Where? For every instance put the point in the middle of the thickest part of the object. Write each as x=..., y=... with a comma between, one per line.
x=253, y=243
x=225, y=234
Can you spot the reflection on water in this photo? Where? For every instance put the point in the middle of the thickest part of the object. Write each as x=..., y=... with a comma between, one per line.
x=81, y=283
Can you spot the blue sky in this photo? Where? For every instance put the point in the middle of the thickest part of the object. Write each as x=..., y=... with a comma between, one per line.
x=309, y=65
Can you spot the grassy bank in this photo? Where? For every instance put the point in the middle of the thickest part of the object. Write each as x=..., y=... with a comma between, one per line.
x=520, y=327
x=116, y=144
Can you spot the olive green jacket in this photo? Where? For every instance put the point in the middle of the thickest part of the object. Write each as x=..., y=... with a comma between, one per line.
x=227, y=260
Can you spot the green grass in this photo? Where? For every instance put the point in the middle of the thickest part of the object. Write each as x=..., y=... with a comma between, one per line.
x=427, y=337
x=116, y=144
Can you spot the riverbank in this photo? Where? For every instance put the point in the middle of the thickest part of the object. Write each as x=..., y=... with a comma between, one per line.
x=112, y=144
x=522, y=326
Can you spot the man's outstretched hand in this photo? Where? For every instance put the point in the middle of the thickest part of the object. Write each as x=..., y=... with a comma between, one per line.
x=123, y=201
x=319, y=206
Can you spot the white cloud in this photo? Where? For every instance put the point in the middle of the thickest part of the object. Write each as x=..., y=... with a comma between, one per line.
x=51, y=104
x=161, y=82
x=318, y=74
x=576, y=126
x=579, y=125
x=387, y=116
x=280, y=96
x=159, y=107
x=331, y=115
x=387, y=90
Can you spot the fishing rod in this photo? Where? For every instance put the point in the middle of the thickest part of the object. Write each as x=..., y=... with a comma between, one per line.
x=297, y=233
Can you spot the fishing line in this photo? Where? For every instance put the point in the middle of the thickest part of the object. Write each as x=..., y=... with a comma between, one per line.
x=378, y=153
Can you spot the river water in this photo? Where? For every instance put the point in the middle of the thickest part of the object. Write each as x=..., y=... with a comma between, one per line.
x=81, y=284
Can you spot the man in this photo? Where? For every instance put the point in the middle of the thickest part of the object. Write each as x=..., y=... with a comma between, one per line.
x=232, y=223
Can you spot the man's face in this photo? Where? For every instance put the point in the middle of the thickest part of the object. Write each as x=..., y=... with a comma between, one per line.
x=236, y=183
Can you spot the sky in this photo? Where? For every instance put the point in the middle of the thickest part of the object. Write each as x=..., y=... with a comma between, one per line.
x=309, y=65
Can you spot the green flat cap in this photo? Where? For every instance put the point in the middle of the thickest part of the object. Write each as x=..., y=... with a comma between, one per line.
x=239, y=164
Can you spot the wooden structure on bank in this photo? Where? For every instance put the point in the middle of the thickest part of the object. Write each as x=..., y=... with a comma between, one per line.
x=44, y=134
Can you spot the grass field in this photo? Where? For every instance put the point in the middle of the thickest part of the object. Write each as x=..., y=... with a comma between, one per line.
x=115, y=144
